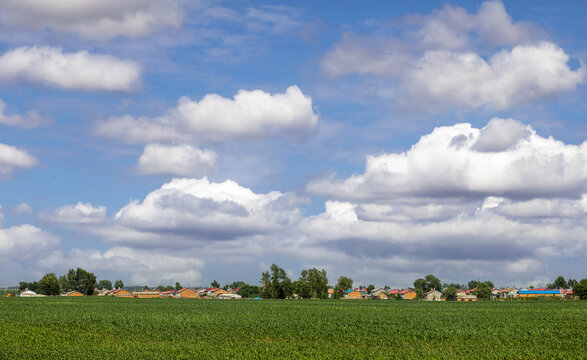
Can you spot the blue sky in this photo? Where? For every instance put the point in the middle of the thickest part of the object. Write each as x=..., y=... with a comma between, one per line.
x=163, y=141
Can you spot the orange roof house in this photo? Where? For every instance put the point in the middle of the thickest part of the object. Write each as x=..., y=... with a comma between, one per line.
x=120, y=293
x=73, y=293
x=407, y=294
x=186, y=293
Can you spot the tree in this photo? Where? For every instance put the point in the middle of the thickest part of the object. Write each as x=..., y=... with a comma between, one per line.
x=559, y=283
x=370, y=288
x=472, y=284
x=430, y=282
x=118, y=284
x=248, y=291
x=215, y=284
x=277, y=285
x=312, y=283
x=572, y=283
x=483, y=291
x=104, y=284
x=344, y=283
x=177, y=286
x=49, y=285
x=33, y=286
x=81, y=280
x=580, y=289
x=450, y=293
x=63, y=283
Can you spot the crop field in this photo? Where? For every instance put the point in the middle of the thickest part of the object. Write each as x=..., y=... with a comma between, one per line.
x=94, y=327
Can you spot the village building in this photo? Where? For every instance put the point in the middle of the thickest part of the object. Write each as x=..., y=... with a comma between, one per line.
x=229, y=296
x=73, y=293
x=538, y=293
x=407, y=294
x=145, y=294
x=29, y=293
x=379, y=293
x=119, y=293
x=354, y=294
x=186, y=293
x=433, y=295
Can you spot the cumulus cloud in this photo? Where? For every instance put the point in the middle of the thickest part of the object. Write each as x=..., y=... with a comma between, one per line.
x=28, y=121
x=94, y=19
x=182, y=160
x=465, y=80
x=136, y=266
x=251, y=114
x=12, y=158
x=77, y=214
x=448, y=163
x=52, y=67
x=23, y=208
x=25, y=242
x=198, y=209
x=435, y=62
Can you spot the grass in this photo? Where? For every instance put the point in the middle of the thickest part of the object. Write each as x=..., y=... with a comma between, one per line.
x=98, y=327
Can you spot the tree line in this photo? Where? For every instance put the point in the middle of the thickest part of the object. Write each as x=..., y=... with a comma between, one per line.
x=276, y=284
x=75, y=280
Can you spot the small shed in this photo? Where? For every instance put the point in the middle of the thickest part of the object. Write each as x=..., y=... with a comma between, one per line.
x=28, y=293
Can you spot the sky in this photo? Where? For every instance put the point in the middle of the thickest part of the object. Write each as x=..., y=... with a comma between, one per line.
x=156, y=141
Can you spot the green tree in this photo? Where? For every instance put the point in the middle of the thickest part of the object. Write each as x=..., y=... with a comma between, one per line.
x=215, y=284
x=178, y=286
x=472, y=284
x=313, y=283
x=33, y=286
x=280, y=285
x=580, y=289
x=483, y=291
x=370, y=288
x=265, y=284
x=572, y=283
x=450, y=293
x=118, y=284
x=63, y=283
x=559, y=283
x=430, y=282
x=344, y=283
x=49, y=285
x=104, y=284
x=81, y=280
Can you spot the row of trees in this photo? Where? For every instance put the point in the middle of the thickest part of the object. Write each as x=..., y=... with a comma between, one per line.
x=75, y=280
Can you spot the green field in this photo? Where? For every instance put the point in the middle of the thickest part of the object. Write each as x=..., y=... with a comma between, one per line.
x=94, y=327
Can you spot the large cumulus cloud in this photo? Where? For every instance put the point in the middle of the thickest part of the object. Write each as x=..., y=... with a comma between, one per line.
x=505, y=158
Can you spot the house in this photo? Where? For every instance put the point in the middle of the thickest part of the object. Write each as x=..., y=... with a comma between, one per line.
x=119, y=293
x=538, y=293
x=103, y=292
x=28, y=293
x=378, y=293
x=433, y=295
x=145, y=294
x=73, y=293
x=218, y=291
x=354, y=294
x=168, y=293
x=186, y=293
x=330, y=293
x=407, y=294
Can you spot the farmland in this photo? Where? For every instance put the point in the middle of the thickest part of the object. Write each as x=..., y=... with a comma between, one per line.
x=93, y=327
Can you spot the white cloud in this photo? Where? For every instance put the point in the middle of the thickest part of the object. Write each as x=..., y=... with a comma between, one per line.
x=251, y=114
x=12, y=158
x=136, y=266
x=435, y=62
x=182, y=160
x=94, y=19
x=23, y=208
x=465, y=80
x=71, y=71
x=29, y=120
x=446, y=164
x=77, y=214
x=198, y=209
x=501, y=134
x=25, y=242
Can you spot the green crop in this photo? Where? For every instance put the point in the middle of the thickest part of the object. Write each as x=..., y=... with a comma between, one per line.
x=101, y=327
